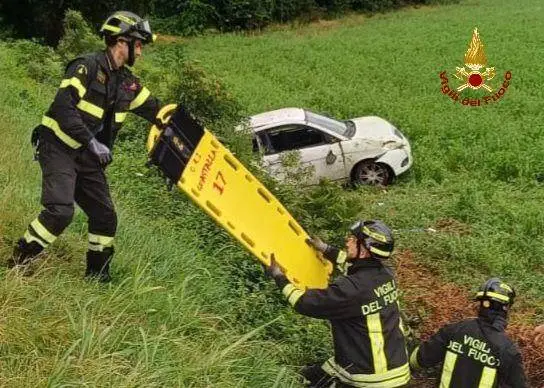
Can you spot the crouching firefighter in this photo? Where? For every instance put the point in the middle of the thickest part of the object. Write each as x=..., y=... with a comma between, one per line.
x=362, y=307
x=75, y=138
x=476, y=352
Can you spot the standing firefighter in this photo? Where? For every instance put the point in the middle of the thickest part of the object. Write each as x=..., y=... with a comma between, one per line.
x=476, y=352
x=75, y=139
x=362, y=307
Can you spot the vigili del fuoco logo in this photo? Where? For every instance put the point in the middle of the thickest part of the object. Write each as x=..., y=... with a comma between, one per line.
x=473, y=76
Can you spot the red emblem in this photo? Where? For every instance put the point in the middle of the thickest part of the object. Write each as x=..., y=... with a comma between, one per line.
x=131, y=87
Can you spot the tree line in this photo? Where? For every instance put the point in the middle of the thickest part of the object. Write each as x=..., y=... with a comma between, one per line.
x=42, y=19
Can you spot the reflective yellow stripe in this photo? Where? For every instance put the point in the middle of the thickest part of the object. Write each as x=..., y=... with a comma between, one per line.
x=377, y=342
x=140, y=98
x=447, y=369
x=76, y=83
x=105, y=241
x=111, y=28
x=413, y=359
x=29, y=238
x=494, y=295
x=488, y=377
x=125, y=19
x=292, y=293
x=44, y=234
x=96, y=248
x=374, y=235
x=379, y=251
x=91, y=109
x=506, y=287
x=54, y=126
x=341, y=258
x=393, y=378
x=341, y=262
x=498, y=296
x=120, y=117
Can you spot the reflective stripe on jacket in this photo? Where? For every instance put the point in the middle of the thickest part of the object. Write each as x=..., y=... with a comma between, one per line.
x=474, y=353
x=93, y=99
x=362, y=307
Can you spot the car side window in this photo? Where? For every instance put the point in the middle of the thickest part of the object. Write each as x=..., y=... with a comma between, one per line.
x=293, y=137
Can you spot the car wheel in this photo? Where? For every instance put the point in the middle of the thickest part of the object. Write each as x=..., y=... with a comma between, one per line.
x=369, y=172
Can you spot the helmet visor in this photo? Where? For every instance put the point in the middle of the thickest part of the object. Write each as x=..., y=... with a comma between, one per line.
x=355, y=229
x=143, y=28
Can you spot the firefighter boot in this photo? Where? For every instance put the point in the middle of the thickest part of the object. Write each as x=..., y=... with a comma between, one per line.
x=24, y=252
x=98, y=265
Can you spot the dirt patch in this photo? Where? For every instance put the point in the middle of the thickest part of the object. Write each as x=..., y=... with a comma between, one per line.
x=438, y=302
x=452, y=226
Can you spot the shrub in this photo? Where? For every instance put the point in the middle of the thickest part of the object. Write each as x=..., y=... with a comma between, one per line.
x=191, y=18
x=41, y=62
x=78, y=37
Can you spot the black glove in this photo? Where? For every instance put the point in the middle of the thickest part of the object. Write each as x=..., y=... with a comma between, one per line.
x=317, y=244
x=273, y=270
x=102, y=152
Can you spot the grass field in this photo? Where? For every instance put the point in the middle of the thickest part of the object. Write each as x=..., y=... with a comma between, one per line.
x=190, y=308
x=473, y=164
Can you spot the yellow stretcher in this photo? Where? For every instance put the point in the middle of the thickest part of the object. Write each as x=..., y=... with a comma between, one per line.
x=211, y=176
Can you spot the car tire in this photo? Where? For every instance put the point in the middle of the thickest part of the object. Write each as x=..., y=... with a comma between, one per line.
x=370, y=173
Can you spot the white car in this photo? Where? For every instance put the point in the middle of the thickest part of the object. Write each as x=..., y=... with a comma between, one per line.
x=365, y=150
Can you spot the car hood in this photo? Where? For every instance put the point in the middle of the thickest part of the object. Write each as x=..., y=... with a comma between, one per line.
x=376, y=129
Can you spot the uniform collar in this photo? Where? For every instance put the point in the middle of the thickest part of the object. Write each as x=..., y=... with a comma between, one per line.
x=107, y=62
x=366, y=263
x=495, y=319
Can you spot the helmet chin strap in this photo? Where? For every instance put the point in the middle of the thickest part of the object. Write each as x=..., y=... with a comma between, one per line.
x=359, y=244
x=131, y=56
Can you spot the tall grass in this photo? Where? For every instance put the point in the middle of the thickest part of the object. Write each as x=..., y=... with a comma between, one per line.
x=477, y=166
x=189, y=307
x=161, y=323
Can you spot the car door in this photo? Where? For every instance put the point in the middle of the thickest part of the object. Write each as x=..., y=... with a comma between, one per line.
x=319, y=151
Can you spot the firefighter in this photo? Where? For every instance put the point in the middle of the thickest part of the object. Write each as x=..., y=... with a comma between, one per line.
x=75, y=139
x=476, y=352
x=363, y=310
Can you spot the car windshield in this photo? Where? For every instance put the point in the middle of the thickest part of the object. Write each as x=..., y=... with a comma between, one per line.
x=334, y=125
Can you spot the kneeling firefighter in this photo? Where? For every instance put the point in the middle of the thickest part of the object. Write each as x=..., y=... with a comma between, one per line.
x=362, y=307
x=75, y=138
x=476, y=352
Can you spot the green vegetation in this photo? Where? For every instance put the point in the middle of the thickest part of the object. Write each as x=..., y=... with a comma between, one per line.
x=42, y=19
x=190, y=307
x=476, y=165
